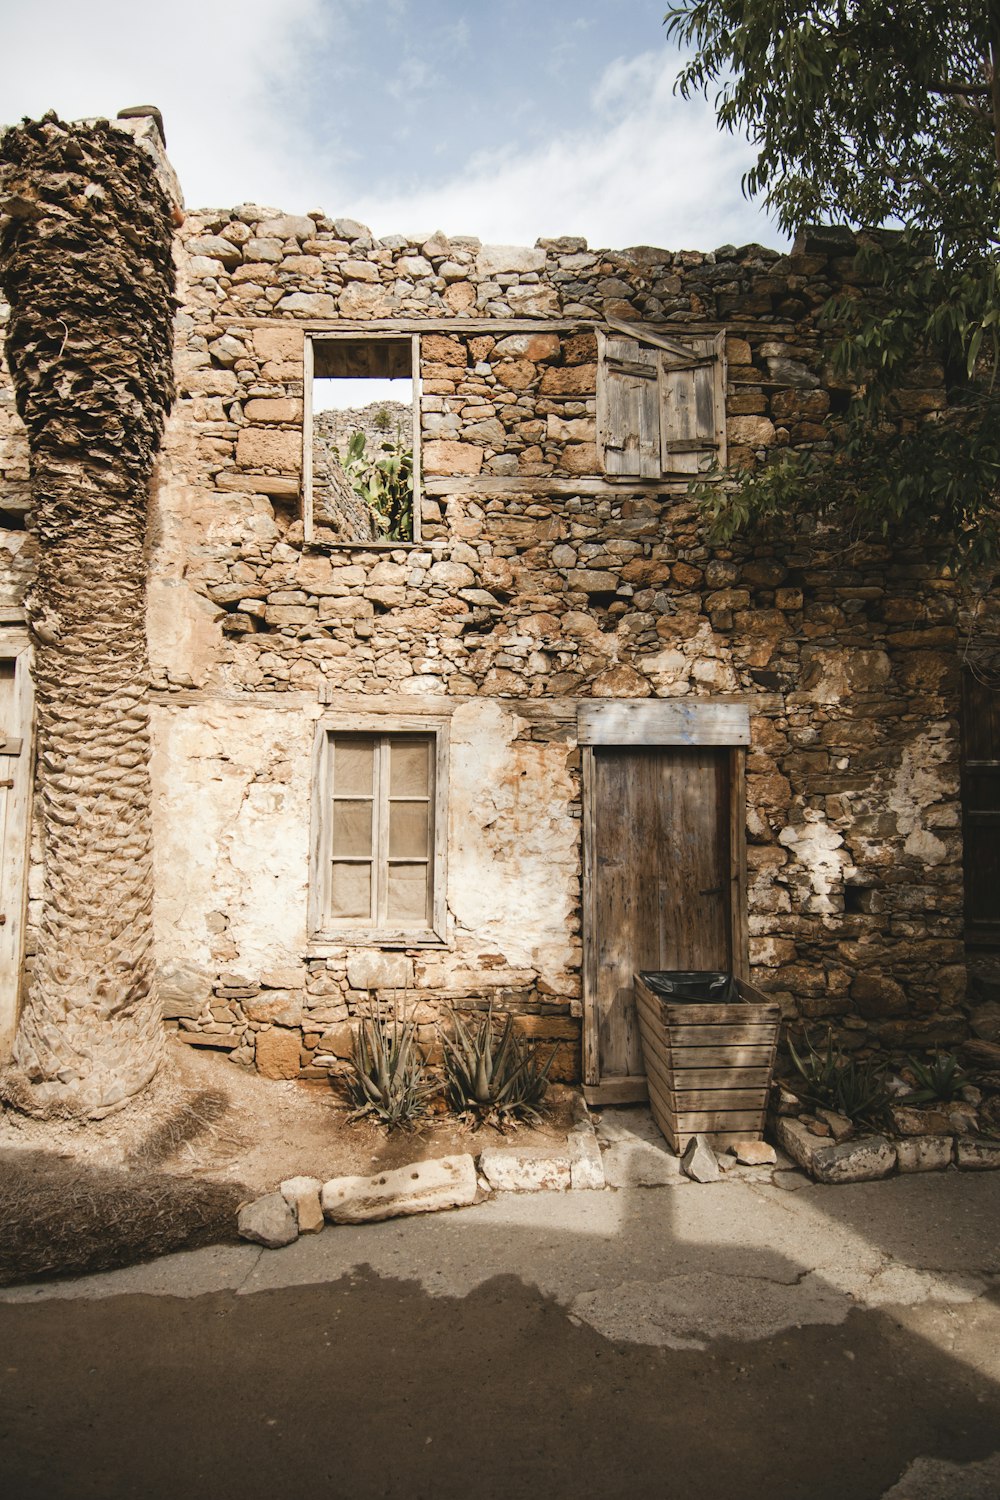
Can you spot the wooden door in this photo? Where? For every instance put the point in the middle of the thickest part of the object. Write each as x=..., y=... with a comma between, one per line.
x=15, y=792
x=663, y=888
x=981, y=810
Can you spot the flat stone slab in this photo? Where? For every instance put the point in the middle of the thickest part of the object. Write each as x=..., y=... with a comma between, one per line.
x=268, y=1221
x=866, y=1158
x=508, y=1170
x=635, y=1152
x=977, y=1155
x=754, y=1153
x=586, y=1165
x=924, y=1153
x=636, y=1163
x=421, y=1188
x=629, y=1122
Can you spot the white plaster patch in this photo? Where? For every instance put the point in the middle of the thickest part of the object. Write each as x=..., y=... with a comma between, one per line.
x=513, y=846
x=183, y=630
x=818, y=851
x=231, y=829
x=919, y=783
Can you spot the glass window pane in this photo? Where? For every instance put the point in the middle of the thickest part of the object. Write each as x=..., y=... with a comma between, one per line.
x=352, y=829
x=408, y=893
x=409, y=830
x=351, y=891
x=409, y=768
x=353, y=767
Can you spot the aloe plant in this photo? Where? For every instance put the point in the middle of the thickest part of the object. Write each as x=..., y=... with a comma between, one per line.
x=498, y=1079
x=836, y=1081
x=388, y=1078
x=939, y=1080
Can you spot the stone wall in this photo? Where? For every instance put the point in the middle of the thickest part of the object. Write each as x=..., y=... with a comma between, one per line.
x=536, y=584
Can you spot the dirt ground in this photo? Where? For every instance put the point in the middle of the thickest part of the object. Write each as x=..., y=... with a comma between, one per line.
x=171, y=1170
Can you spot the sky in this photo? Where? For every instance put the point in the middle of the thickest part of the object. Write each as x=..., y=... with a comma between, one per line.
x=507, y=119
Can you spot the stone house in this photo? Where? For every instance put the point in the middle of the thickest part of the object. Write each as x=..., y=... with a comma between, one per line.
x=552, y=735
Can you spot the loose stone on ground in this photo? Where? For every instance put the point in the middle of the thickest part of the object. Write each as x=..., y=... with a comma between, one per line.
x=423, y=1187
x=268, y=1221
x=302, y=1196
x=699, y=1161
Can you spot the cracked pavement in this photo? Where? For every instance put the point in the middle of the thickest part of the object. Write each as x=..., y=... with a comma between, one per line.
x=727, y=1340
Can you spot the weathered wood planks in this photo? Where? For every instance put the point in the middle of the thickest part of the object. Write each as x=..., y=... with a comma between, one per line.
x=708, y=1066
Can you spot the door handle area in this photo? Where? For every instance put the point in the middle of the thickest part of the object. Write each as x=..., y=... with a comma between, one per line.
x=713, y=890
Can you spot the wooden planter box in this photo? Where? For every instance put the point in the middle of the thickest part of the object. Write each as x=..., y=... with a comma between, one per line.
x=708, y=1067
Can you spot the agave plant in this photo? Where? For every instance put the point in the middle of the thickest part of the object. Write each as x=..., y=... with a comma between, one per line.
x=939, y=1079
x=836, y=1081
x=388, y=1078
x=498, y=1079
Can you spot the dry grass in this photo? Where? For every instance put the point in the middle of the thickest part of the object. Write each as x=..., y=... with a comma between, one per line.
x=60, y=1217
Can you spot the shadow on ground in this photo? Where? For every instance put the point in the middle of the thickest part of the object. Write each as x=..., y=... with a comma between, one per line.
x=368, y=1386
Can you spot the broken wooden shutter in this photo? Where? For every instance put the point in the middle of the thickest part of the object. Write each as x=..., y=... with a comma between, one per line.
x=628, y=407
x=661, y=403
x=692, y=384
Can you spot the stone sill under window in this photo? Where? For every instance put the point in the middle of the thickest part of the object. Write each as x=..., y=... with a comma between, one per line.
x=326, y=547
x=333, y=946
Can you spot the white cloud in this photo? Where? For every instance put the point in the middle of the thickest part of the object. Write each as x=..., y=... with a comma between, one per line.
x=413, y=76
x=248, y=90
x=220, y=71
x=648, y=168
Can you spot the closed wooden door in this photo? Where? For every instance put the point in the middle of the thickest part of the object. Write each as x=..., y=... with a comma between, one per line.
x=661, y=883
x=981, y=810
x=15, y=791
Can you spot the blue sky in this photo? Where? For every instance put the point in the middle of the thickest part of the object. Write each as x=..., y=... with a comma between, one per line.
x=508, y=119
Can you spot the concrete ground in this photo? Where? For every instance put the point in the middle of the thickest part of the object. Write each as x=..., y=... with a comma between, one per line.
x=725, y=1342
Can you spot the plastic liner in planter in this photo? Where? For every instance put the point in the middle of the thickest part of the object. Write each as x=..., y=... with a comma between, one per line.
x=697, y=987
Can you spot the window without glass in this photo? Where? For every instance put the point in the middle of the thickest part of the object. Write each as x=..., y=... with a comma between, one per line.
x=361, y=442
x=661, y=404
x=380, y=849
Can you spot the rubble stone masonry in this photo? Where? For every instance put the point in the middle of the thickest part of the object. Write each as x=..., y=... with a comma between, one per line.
x=536, y=583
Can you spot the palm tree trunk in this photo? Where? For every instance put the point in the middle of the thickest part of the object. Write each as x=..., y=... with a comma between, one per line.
x=86, y=265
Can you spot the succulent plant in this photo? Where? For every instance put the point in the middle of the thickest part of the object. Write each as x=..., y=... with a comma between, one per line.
x=836, y=1081
x=940, y=1079
x=388, y=1077
x=497, y=1079
x=384, y=480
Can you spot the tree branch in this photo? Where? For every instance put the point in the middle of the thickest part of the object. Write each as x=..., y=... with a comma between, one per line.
x=964, y=90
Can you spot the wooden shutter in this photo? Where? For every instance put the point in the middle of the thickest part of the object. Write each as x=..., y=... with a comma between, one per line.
x=692, y=383
x=661, y=403
x=628, y=414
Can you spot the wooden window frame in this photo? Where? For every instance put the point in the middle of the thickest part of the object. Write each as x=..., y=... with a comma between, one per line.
x=323, y=928
x=355, y=335
x=655, y=448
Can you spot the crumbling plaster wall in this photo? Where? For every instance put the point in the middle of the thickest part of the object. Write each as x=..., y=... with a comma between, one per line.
x=233, y=809
x=535, y=586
